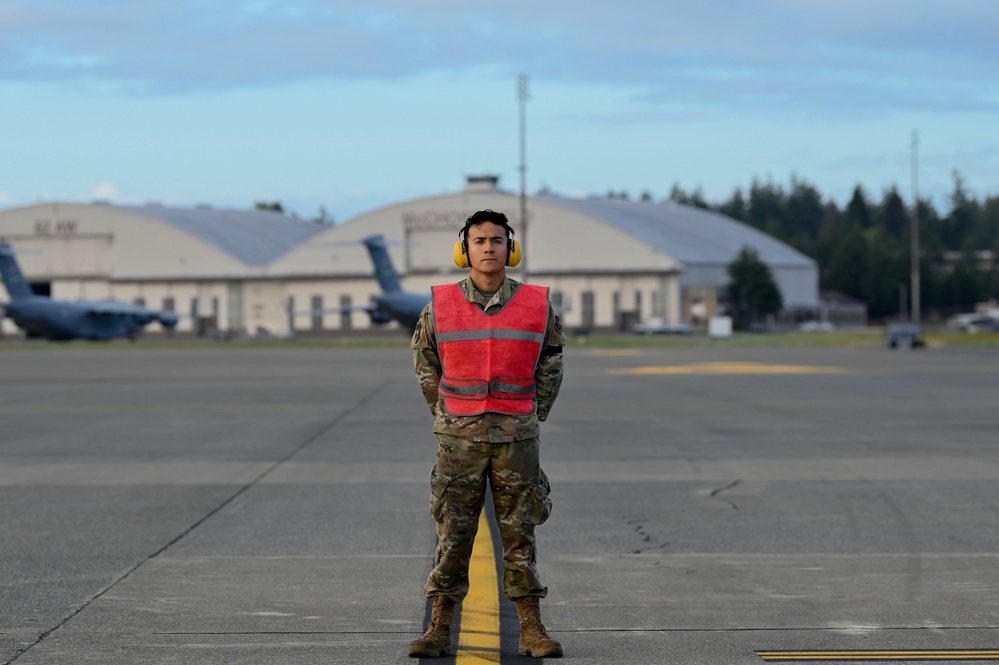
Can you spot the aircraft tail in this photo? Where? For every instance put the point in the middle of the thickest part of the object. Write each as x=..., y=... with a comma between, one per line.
x=385, y=273
x=17, y=286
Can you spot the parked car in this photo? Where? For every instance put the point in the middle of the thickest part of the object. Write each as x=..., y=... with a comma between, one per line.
x=660, y=326
x=974, y=323
x=817, y=326
x=905, y=335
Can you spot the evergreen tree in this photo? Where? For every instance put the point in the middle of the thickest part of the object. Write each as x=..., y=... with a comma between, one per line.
x=832, y=222
x=881, y=281
x=752, y=288
x=857, y=209
x=802, y=216
x=273, y=206
x=958, y=225
x=696, y=198
x=848, y=261
x=892, y=216
x=766, y=206
x=961, y=288
x=990, y=224
x=735, y=207
x=863, y=249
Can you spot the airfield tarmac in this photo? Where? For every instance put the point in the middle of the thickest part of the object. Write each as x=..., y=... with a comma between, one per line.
x=712, y=505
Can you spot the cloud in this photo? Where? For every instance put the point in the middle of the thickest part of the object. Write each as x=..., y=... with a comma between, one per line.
x=106, y=190
x=756, y=55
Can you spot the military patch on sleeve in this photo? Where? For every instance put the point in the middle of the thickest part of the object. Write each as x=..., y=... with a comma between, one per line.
x=420, y=340
x=555, y=337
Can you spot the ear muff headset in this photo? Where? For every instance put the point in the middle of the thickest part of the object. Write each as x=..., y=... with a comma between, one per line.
x=513, y=254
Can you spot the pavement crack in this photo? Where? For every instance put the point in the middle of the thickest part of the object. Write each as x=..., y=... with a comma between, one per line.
x=637, y=522
x=268, y=471
x=716, y=492
x=211, y=513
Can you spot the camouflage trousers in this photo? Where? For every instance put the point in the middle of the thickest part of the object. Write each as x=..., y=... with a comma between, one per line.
x=520, y=497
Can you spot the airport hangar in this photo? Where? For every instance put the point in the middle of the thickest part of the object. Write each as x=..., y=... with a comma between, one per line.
x=608, y=262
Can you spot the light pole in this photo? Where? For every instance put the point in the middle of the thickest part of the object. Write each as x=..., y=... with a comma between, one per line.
x=914, y=230
x=902, y=316
x=523, y=94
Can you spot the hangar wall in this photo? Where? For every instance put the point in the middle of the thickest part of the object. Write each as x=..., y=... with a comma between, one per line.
x=599, y=276
x=78, y=251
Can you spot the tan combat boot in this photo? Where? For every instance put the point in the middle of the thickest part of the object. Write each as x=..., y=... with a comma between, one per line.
x=534, y=640
x=436, y=642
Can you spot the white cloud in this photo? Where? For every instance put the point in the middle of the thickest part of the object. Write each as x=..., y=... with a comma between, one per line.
x=106, y=190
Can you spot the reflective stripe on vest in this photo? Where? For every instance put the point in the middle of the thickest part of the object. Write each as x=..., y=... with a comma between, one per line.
x=489, y=360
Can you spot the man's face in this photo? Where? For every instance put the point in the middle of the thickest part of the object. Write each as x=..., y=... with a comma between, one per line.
x=487, y=243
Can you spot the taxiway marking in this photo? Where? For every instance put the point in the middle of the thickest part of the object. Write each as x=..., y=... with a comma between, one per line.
x=896, y=655
x=479, y=632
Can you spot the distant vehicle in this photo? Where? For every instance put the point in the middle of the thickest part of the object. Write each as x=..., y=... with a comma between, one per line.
x=61, y=320
x=817, y=326
x=976, y=322
x=660, y=326
x=905, y=335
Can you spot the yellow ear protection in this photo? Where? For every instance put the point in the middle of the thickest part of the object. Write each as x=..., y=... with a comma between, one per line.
x=461, y=254
x=513, y=253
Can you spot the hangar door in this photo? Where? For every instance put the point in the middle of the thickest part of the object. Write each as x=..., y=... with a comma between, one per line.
x=235, y=307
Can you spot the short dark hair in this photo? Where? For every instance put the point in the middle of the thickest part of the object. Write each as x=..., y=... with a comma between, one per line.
x=483, y=216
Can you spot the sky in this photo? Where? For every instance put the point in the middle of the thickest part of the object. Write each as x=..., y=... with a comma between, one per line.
x=349, y=106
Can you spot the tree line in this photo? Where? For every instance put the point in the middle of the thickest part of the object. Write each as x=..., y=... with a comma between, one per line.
x=864, y=248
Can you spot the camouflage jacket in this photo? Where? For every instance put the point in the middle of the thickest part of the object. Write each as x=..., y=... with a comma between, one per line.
x=488, y=427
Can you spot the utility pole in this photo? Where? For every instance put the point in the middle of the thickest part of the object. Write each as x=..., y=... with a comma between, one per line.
x=523, y=94
x=914, y=231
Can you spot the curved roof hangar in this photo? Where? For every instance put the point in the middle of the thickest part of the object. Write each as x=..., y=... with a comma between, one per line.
x=688, y=234
x=254, y=237
x=150, y=241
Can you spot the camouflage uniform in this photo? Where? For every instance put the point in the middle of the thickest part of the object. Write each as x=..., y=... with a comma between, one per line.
x=503, y=448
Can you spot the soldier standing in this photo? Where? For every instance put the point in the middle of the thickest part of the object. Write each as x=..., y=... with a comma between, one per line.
x=488, y=356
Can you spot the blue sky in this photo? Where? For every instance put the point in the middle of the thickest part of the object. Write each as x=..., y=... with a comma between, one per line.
x=354, y=105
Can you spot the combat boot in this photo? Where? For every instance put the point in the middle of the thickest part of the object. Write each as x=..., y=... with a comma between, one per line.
x=534, y=639
x=436, y=642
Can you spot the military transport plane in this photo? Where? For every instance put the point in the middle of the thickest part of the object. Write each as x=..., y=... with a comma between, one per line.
x=60, y=320
x=392, y=304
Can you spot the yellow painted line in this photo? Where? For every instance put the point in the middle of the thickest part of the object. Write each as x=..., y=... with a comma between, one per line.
x=479, y=632
x=728, y=368
x=917, y=655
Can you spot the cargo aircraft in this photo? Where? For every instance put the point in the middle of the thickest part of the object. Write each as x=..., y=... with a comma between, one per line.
x=61, y=320
x=393, y=303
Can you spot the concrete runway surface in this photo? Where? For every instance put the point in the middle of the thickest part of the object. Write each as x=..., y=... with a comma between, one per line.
x=712, y=505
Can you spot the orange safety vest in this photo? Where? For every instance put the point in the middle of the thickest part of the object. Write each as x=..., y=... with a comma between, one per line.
x=489, y=360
